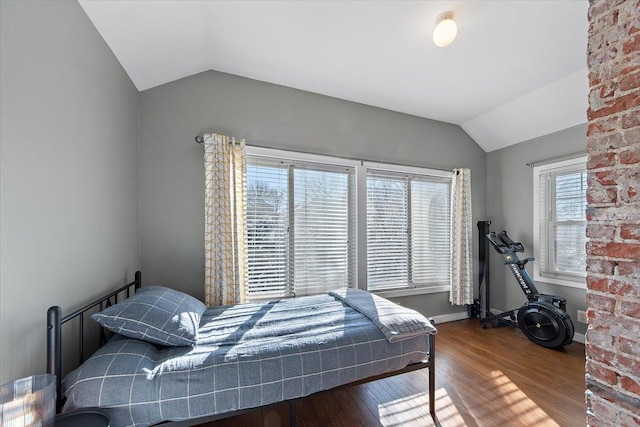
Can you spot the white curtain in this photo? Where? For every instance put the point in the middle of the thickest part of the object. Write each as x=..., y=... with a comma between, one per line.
x=461, y=239
x=225, y=220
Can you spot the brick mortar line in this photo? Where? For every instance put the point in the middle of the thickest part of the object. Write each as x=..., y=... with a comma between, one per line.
x=617, y=113
x=624, y=279
x=616, y=239
x=611, y=205
x=619, y=315
x=630, y=70
x=615, y=387
x=630, y=409
x=622, y=205
x=615, y=168
x=625, y=64
x=617, y=94
x=611, y=404
x=604, y=135
x=612, y=368
x=617, y=298
x=609, y=258
x=604, y=277
x=613, y=223
x=615, y=43
x=619, y=364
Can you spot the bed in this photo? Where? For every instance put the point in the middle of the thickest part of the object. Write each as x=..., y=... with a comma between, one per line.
x=205, y=364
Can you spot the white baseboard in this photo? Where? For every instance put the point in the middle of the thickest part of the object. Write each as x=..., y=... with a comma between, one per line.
x=495, y=310
x=451, y=317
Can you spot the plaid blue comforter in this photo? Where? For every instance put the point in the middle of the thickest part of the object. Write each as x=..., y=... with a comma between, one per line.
x=247, y=355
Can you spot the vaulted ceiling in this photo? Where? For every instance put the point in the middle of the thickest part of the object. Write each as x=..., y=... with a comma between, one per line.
x=516, y=71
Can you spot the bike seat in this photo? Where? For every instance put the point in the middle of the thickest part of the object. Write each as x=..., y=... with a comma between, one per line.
x=514, y=246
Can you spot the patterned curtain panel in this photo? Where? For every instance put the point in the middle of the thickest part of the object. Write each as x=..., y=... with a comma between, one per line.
x=461, y=239
x=225, y=237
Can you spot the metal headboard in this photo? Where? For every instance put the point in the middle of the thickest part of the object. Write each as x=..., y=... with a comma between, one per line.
x=54, y=330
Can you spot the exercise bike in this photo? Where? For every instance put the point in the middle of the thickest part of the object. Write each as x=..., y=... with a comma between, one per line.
x=543, y=318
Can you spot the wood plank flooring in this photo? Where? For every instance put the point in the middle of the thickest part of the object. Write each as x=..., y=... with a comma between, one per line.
x=484, y=377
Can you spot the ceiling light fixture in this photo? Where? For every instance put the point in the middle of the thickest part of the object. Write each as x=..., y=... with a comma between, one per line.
x=446, y=29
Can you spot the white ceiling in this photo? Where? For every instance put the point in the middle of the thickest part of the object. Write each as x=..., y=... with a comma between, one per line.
x=516, y=71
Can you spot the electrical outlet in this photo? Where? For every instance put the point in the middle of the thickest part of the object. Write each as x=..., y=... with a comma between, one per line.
x=582, y=316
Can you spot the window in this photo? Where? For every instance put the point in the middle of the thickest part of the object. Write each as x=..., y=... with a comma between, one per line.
x=300, y=227
x=304, y=214
x=407, y=230
x=560, y=222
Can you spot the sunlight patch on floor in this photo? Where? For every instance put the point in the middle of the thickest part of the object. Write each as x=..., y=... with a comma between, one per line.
x=512, y=405
x=404, y=411
x=414, y=410
x=446, y=411
x=507, y=404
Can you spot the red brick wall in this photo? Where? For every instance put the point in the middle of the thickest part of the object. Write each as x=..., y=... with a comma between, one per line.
x=613, y=251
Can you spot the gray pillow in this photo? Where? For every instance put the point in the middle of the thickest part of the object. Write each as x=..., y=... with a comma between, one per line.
x=157, y=315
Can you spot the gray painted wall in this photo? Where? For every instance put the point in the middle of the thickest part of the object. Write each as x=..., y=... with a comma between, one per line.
x=68, y=149
x=510, y=207
x=69, y=188
x=267, y=115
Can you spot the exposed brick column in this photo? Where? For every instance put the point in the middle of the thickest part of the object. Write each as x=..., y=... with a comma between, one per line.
x=613, y=251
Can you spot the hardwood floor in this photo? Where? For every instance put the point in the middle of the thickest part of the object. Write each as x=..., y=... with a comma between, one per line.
x=490, y=377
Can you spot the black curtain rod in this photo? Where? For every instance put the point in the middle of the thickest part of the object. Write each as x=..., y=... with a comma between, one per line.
x=202, y=138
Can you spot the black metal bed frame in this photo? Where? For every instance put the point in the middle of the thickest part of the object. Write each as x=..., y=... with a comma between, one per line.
x=54, y=330
x=54, y=358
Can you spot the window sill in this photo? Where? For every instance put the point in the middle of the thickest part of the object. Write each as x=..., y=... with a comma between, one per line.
x=580, y=283
x=386, y=293
x=392, y=293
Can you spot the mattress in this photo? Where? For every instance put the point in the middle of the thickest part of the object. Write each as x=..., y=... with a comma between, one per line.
x=247, y=355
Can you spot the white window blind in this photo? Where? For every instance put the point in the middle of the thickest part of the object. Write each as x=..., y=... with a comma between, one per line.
x=323, y=226
x=407, y=230
x=430, y=231
x=300, y=227
x=560, y=229
x=267, y=228
x=387, y=232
